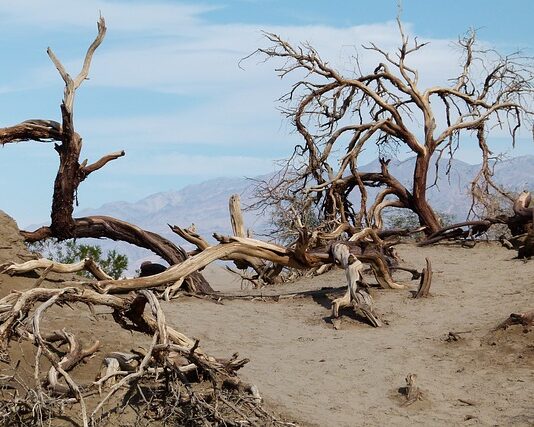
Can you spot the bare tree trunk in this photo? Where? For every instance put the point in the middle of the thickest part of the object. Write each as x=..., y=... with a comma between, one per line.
x=67, y=179
x=426, y=214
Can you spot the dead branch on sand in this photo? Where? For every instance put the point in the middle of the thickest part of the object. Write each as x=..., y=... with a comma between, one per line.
x=526, y=319
x=426, y=280
x=411, y=392
x=173, y=381
x=86, y=265
x=362, y=248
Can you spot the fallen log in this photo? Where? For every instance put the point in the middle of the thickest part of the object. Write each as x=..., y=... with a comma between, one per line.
x=233, y=246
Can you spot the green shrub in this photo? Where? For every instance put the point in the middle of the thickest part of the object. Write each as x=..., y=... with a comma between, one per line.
x=113, y=263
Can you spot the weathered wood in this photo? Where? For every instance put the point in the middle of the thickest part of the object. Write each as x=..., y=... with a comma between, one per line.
x=353, y=268
x=519, y=224
x=15, y=307
x=170, y=352
x=71, y=174
x=85, y=265
x=525, y=319
x=411, y=392
x=236, y=216
x=355, y=296
x=115, y=229
x=426, y=281
x=324, y=117
x=75, y=354
x=237, y=248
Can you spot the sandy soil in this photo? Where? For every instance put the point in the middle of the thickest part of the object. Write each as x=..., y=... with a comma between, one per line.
x=317, y=376
x=321, y=376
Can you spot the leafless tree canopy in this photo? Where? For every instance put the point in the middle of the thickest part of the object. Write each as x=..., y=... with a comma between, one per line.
x=386, y=106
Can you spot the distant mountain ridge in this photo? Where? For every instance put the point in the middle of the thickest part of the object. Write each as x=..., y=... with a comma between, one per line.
x=206, y=204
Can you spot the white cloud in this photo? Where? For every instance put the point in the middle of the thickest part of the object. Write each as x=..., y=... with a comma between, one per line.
x=148, y=17
x=237, y=106
x=205, y=59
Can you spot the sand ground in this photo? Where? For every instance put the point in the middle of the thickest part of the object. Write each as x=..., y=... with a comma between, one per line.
x=321, y=376
x=317, y=376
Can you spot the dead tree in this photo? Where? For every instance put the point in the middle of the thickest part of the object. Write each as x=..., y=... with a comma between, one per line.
x=268, y=260
x=386, y=106
x=71, y=173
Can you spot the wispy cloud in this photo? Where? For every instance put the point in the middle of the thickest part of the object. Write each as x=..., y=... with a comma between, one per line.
x=136, y=17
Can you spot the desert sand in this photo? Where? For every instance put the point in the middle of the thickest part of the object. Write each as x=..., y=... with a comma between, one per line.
x=313, y=375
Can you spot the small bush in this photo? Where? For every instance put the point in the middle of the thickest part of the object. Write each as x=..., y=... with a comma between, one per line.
x=113, y=263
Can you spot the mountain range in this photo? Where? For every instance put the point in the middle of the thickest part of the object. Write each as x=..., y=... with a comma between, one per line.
x=206, y=204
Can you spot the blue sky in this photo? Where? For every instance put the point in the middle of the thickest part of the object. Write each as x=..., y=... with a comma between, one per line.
x=166, y=87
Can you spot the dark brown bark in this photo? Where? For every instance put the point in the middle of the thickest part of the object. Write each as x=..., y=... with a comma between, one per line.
x=526, y=319
x=67, y=180
x=520, y=224
x=115, y=229
x=424, y=211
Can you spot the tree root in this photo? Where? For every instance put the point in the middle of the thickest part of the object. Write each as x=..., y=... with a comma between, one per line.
x=173, y=381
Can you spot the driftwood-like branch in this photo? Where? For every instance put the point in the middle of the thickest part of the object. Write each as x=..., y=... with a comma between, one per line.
x=521, y=223
x=87, y=264
x=70, y=84
x=521, y=205
x=230, y=247
x=165, y=371
x=112, y=228
x=356, y=296
x=14, y=308
x=75, y=355
x=57, y=366
x=526, y=319
x=253, y=252
x=411, y=392
x=101, y=162
x=240, y=260
x=31, y=130
x=190, y=235
x=236, y=216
